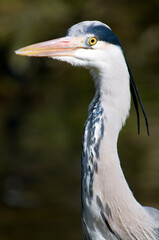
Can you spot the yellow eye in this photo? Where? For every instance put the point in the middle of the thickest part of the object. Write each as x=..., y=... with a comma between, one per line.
x=92, y=41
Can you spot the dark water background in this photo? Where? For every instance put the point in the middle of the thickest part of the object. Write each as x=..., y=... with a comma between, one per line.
x=43, y=106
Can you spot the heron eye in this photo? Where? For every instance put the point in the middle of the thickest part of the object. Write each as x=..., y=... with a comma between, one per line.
x=92, y=41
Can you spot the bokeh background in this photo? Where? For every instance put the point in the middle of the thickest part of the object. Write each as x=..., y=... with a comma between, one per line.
x=43, y=106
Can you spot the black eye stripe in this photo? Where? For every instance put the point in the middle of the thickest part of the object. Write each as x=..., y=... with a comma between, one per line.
x=103, y=34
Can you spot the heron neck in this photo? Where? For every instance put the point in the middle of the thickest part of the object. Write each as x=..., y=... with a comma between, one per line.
x=103, y=182
x=112, y=97
x=107, y=113
x=113, y=91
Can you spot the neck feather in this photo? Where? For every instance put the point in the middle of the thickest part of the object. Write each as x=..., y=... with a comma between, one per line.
x=112, y=87
x=103, y=182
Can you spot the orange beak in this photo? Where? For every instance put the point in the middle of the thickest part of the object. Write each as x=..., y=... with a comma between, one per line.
x=60, y=47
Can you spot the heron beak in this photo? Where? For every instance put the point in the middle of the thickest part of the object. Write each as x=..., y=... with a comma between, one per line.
x=60, y=47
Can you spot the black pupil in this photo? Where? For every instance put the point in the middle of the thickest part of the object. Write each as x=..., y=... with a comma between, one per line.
x=92, y=40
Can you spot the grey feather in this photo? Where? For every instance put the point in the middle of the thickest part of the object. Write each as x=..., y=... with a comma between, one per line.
x=154, y=213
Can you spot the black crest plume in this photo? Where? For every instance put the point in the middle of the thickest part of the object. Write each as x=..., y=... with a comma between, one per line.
x=136, y=99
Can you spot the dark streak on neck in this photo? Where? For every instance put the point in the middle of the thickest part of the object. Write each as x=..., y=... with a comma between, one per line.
x=93, y=134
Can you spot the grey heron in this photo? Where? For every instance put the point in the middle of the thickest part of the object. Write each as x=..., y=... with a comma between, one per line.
x=109, y=209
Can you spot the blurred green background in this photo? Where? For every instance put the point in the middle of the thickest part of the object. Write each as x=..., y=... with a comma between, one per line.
x=43, y=106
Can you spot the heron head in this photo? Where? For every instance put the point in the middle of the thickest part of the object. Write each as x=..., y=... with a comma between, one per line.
x=85, y=44
x=90, y=44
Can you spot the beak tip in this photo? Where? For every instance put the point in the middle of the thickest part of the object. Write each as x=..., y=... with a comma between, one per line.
x=21, y=52
x=18, y=52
